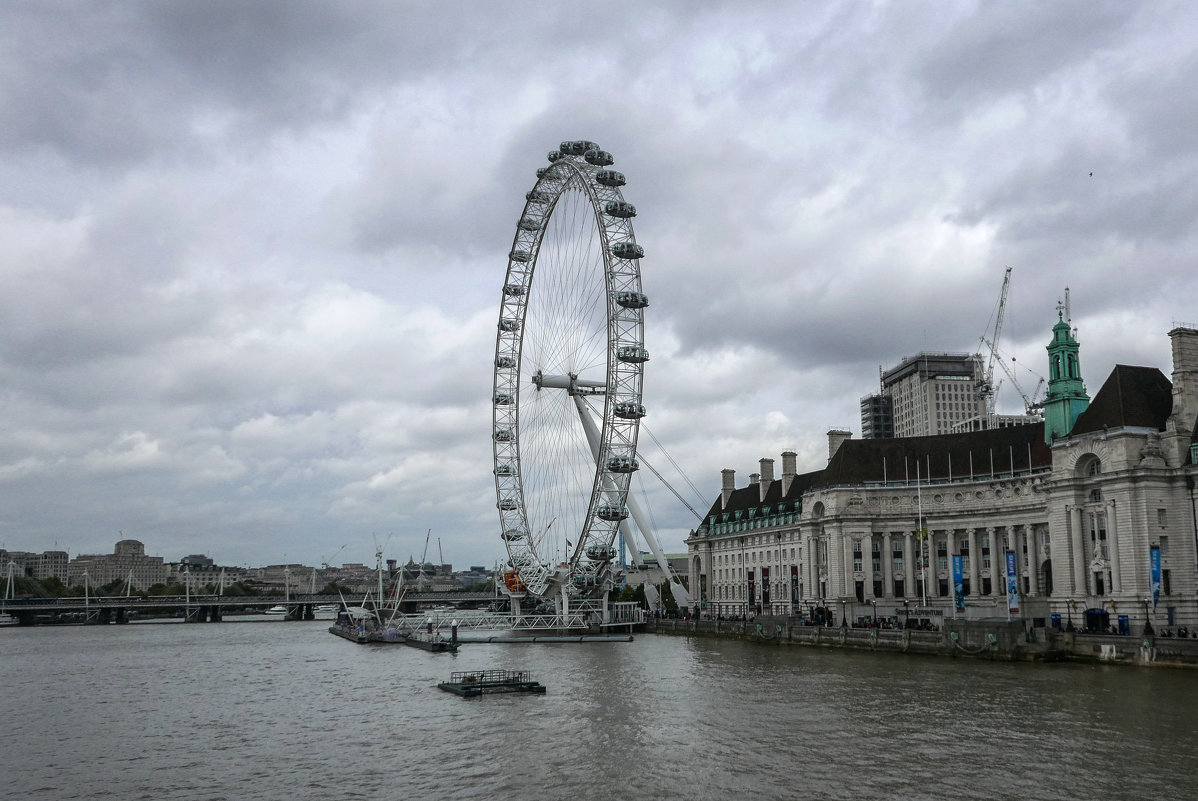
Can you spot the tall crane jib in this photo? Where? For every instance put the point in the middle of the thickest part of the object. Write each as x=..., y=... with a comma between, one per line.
x=987, y=390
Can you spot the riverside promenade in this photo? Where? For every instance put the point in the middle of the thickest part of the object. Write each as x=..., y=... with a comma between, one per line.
x=999, y=640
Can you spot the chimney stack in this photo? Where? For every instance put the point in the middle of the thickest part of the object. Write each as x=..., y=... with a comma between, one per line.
x=836, y=438
x=789, y=470
x=729, y=485
x=767, y=477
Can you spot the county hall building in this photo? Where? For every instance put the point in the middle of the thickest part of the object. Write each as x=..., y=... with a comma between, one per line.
x=1086, y=519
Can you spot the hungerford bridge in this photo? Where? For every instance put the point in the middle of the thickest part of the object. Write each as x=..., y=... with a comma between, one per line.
x=439, y=608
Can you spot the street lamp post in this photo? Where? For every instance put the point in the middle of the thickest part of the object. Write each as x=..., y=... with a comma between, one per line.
x=874, y=603
x=906, y=614
x=844, y=620
x=1069, y=612
x=1147, y=619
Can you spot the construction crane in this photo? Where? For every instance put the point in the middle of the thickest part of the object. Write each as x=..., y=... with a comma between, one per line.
x=989, y=389
x=986, y=389
x=423, y=558
x=324, y=565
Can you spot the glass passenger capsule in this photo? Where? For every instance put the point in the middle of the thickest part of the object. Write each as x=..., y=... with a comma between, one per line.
x=600, y=158
x=503, y=399
x=610, y=178
x=622, y=464
x=632, y=300
x=536, y=196
x=513, y=535
x=601, y=553
x=513, y=290
x=505, y=362
x=620, y=208
x=627, y=410
x=555, y=155
x=509, y=325
x=581, y=580
x=632, y=354
x=505, y=470
x=521, y=256
x=541, y=172
x=612, y=513
x=578, y=147
x=508, y=505
x=530, y=224
x=627, y=250
x=505, y=435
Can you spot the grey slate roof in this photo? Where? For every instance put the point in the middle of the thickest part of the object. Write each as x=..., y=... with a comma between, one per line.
x=1131, y=396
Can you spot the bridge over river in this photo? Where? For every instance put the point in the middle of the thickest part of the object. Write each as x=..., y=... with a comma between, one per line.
x=211, y=608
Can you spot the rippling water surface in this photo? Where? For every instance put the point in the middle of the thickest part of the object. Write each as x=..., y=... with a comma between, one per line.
x=275, y=710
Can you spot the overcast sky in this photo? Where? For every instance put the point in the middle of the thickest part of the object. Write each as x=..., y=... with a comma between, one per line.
x=253, y=251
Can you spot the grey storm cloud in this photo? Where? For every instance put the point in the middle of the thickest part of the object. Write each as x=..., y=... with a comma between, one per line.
x=253, y=251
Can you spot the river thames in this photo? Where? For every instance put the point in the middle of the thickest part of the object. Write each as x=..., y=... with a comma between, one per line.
x=276, y=710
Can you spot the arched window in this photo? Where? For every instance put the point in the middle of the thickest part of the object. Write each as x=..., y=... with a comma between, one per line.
x=1088, y=466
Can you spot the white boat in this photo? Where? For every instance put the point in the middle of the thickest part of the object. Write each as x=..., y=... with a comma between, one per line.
x=7, y=620
x=277, y=610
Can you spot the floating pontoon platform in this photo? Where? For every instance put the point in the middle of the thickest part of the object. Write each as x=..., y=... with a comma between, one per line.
x=472, y=683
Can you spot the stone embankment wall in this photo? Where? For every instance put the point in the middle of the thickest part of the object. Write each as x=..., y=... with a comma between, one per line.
x=979, y=639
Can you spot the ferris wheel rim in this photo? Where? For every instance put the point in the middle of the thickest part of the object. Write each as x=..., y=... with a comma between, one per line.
x=591, y=552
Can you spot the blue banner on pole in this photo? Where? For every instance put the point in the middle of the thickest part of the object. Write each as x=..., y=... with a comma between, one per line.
x=1154, y=555
x=958, y=582
x=1012, y=583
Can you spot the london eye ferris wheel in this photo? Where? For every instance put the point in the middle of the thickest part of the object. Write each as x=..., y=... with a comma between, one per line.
x=569, y=361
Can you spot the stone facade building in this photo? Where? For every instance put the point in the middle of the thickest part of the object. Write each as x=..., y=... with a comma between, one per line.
x=47, y=564
x=128, y=561
x=1093, y=509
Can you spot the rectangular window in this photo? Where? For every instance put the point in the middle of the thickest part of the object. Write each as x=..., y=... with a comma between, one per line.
x=1161, y=517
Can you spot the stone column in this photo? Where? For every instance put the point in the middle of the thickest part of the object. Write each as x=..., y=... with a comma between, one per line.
x=1112, y=540
x=867, y=565
x=908, y=567
x=975, y=556
x=808, y=571
x=846, y=575
x=1078, y=555
x=950, y=545
x=887, y=566
x=1017, y=535
x=998, y=564
x=1033, y=555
